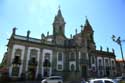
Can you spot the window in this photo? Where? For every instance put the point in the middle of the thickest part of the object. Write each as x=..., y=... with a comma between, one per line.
x=33, y=60
x=106, y=62
x=83, y=56
x=47, y=56
x=93, y=59
x=59, y=67
x=17, y=57
x=100, y=62
x=106, y=81
x=98, y=81
x=72, y=67
x=18, y=52
x=60, y=57
x=113, y=64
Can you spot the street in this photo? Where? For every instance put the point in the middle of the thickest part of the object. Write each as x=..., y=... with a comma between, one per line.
x=36, y=82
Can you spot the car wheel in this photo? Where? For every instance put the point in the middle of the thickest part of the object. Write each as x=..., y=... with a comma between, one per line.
x=45, y=82
x=59, y=82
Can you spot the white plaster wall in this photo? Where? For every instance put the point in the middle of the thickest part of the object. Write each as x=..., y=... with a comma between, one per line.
x=15, y=46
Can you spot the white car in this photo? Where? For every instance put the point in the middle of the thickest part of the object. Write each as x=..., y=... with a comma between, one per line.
x=53, y=79
x=101, y=80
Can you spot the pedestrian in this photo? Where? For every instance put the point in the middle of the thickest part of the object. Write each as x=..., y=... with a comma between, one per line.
x=83, y=80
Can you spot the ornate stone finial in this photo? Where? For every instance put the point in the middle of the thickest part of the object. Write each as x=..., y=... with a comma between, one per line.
x=113, y=51
x=81, y=27
x=59, y=12
x=101, y=48
x=87, y=22
x=71, y=36
x=59, y=7
x=107, y=49
x=48, y=33
x=76, y=30
x=28, y=33
x=42, y=36
x=86, y=17
x=14, y=30
x=113, y=37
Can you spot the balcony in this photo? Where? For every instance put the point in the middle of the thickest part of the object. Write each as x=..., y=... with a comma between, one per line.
x=46, y=63
x=32, y=63
x=16, y=61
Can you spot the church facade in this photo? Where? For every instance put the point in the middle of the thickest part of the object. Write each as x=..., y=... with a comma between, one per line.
x=72, y=58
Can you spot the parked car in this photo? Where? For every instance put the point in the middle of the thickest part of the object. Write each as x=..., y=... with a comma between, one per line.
x=53, y=79
x=120, y=79
x=102, y=80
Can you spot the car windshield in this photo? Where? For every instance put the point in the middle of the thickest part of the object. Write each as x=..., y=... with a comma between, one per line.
x=98, y=81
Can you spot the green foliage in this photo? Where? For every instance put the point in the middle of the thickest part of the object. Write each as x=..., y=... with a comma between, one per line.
x=2, y=65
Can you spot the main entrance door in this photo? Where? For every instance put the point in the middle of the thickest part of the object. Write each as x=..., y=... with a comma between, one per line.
x=84, y=71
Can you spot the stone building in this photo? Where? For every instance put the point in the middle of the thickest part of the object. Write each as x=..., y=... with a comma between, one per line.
x=120, y=65
x=72, y=58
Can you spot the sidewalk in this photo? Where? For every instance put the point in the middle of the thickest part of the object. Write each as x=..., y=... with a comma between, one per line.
x=72, y=82
x=37, y=82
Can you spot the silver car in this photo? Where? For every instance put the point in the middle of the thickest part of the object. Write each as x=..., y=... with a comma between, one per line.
x=101, y=80
x=53, y=79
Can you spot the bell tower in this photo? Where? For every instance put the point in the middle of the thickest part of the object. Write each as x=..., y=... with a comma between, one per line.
x=88, y=34
x=59, y=29
x=59, y=24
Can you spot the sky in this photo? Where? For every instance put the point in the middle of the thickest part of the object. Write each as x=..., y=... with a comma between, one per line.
x=107, y=17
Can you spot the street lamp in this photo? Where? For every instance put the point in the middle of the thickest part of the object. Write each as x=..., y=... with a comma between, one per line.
x=118, y=41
